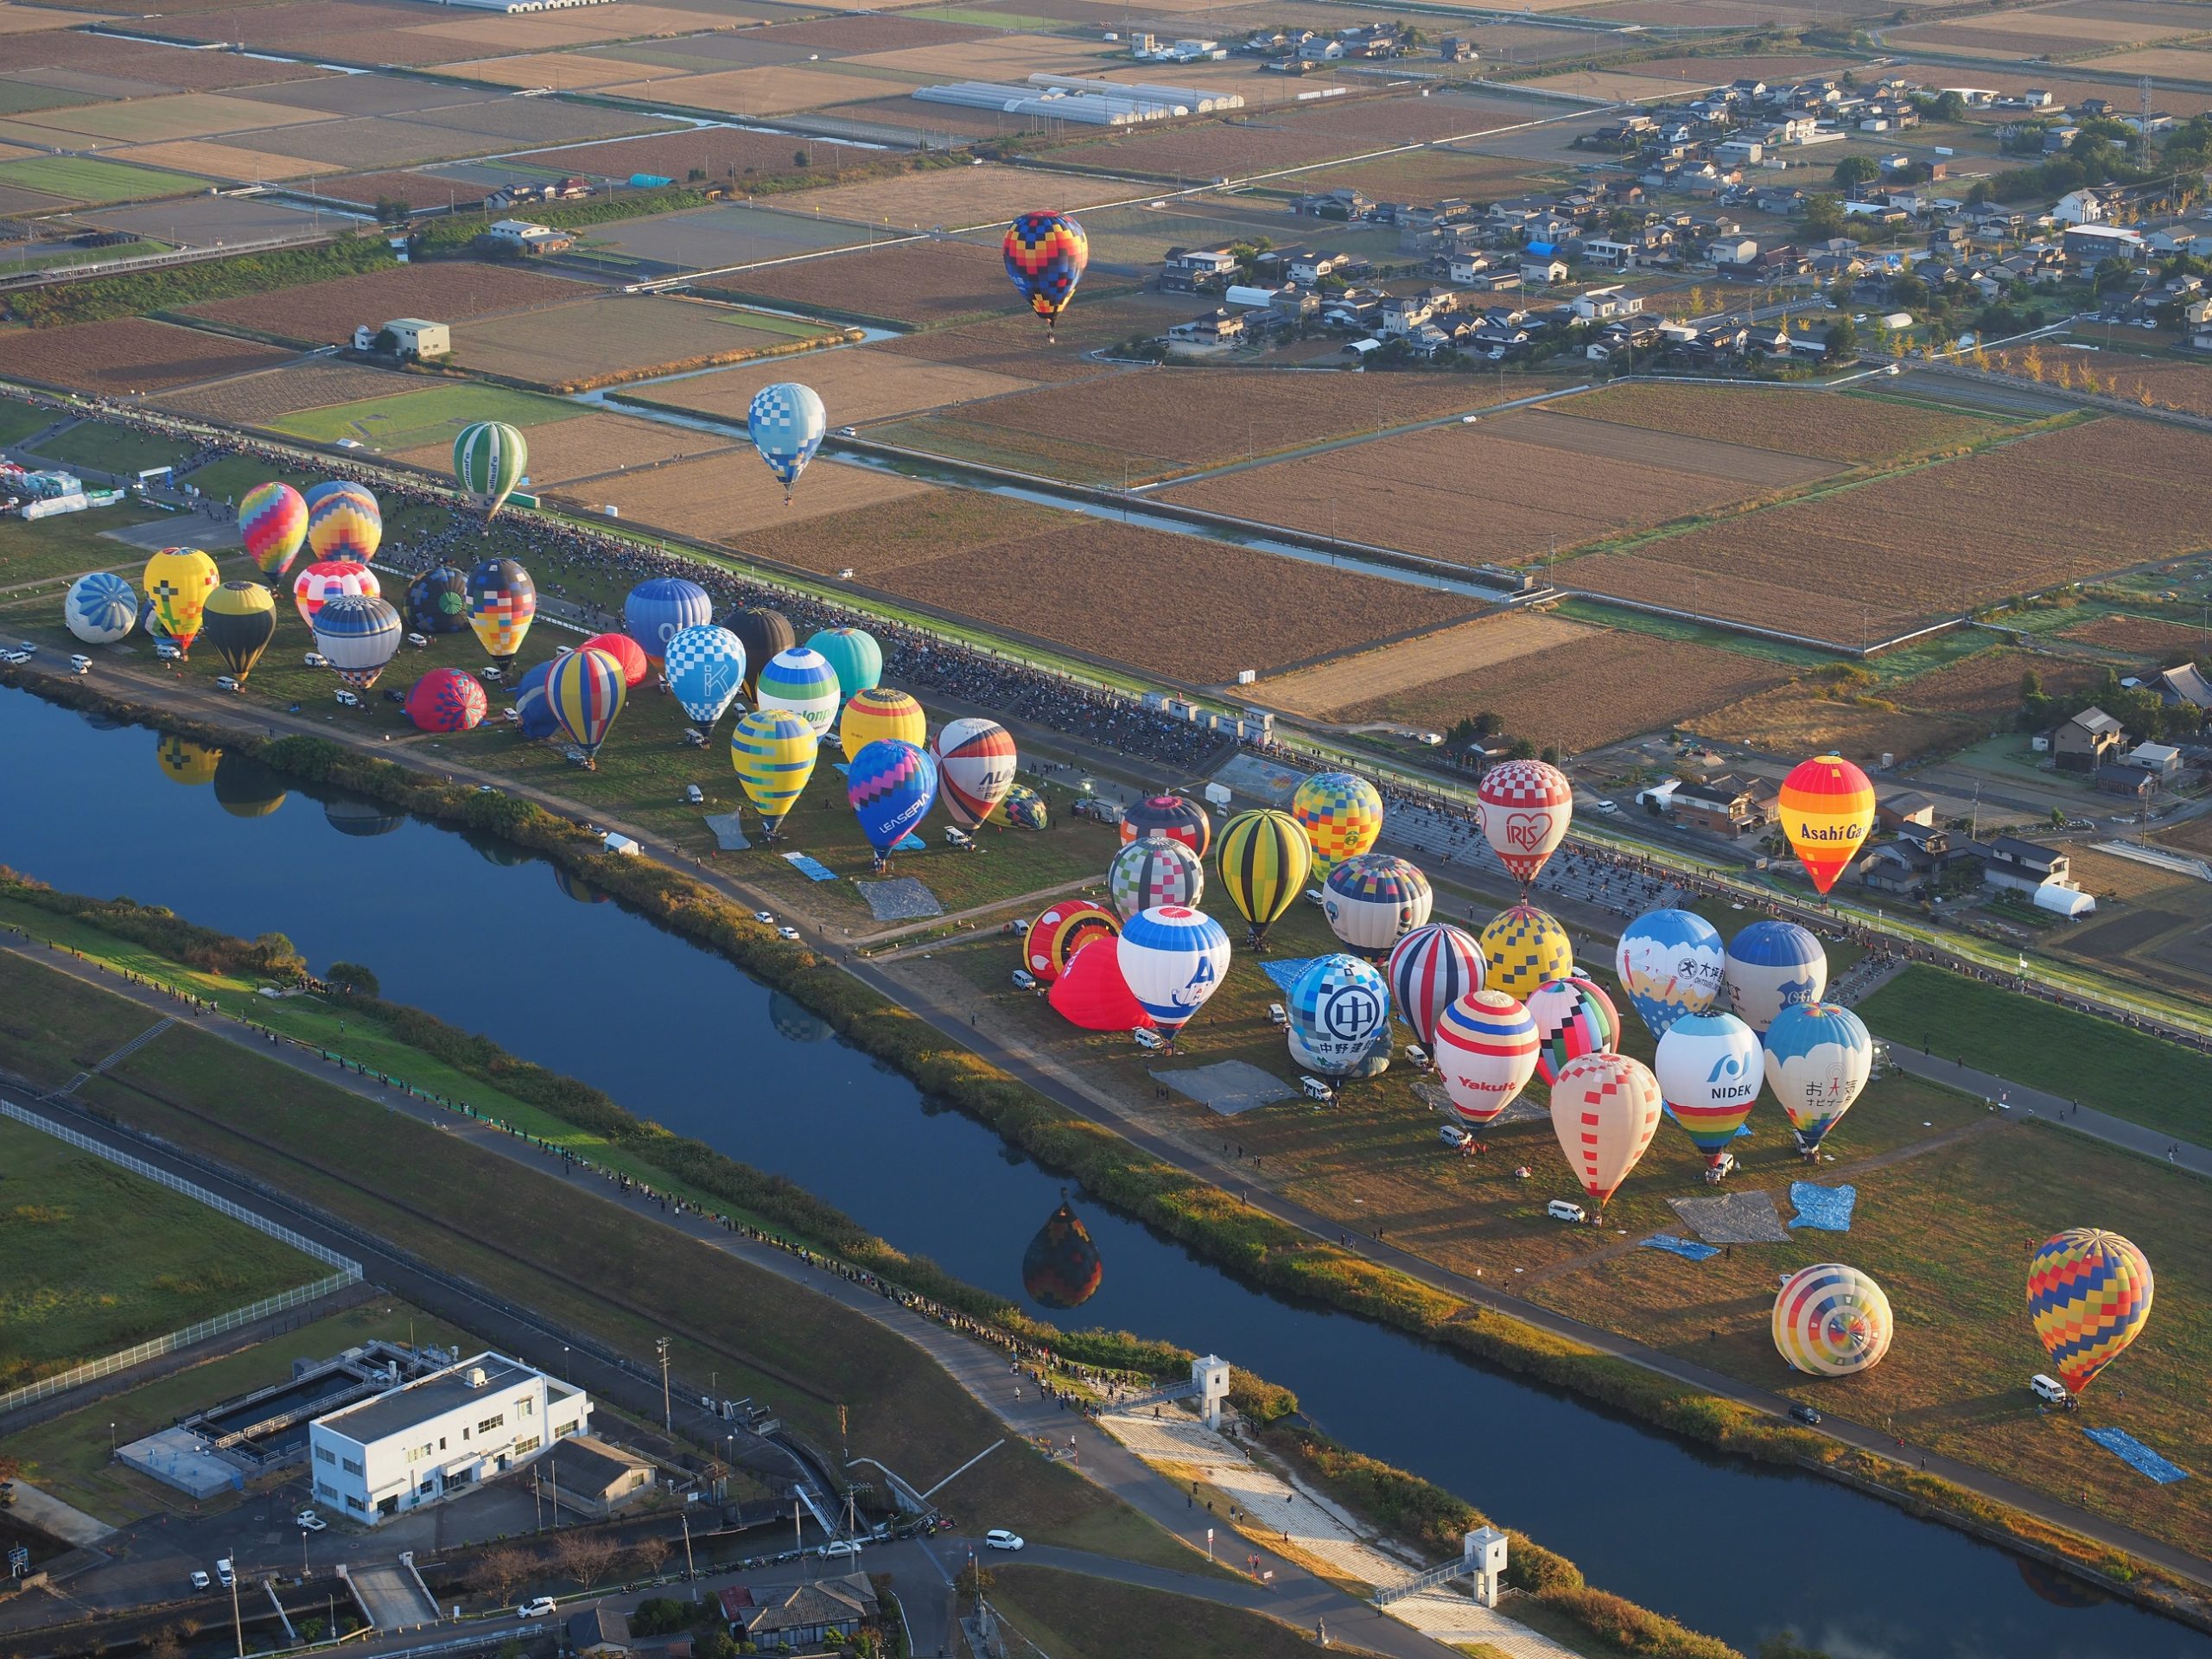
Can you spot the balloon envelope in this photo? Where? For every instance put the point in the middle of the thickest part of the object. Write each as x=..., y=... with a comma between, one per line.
x=877, y=713
x=2089, y=1297
x=1574, y=1017
x=489, y=459
x=1061, y=931
x=891, y=785
x=1091, y=993
x=1170, y=816
x=763, y=632
x=1025, y=807
x=1172, y=958
x=1772, y=965
x=1832, y=1320
x=627, y=652
x=705, y=666
x=773, y=751
x=1524, y=807
x=358, y=634
x=1485, y=1052
x=1432, y=968
x=1374, y=899
x=178, y=581
x=184, y=761
x=975, y=764
x=786, y=423
x=502, y=601
x=1670, y=963
x=1145, y=874
x=534, y=712
x=328, y=579
x=801, y=681
x=345, y=524
x=272, y=523
x=586, y=691
x=1522, y=947
x=1338, y=1008
x=657, y=610
x=1264, y=858
x=1708, y=1070
x=437, y=601
x=853, y=655
x=1045, y=255
x=239, y=622
x=1061, y=1268
x=246, y=788
x=101, y=608
x=1826, y=806
x=1341, y=813
x=447, y=700
x=1819, y=1056
x=1604, y=1111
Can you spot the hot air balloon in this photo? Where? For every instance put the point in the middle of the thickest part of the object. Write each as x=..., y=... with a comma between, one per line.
x=2088, y=1296
x=272, y=523
x=1574, y=1017
x=1145, y=874
x=101, y=608
x=1827, y=807
x=801, y=681
x=892, y=785
x=658, y=609
x=1708, y=1070
x=1432, y=968
x=345, y=524
x=1338, y=1006
x=489, y=459
x=1525, y=806
x=1044, y=256
x=1605, y=1110
x=314, y=492
x=365, y=819
x=533, y=714
x=853, y=655
x=1170, y=816
x=178, y=581
x=628, y=655
x=239, y=622
x=359, y=635
x=1025, y=808
x=184, y=761
x=1055, y=936
x=1343, y=815
x=437, y=601
x=328, y=579
x=1670, y=963
x=1522, y=947
x=795, y=1023
x=1173, y=958
x=1772, y=965
x=705, y=666
x=763, y=633
x=877, y=713
x=1092, y=994
x=1819, y=1056
x=974, y=768
x=502, y=599
x=447, y=700
x=1374, y=900
x=587, y=691
x=772, y=751
x=1264, y=858
x=246, y=788
x=1485, y=1052
x=786, y=423
x=1061, y=1268
x=1831, y=1321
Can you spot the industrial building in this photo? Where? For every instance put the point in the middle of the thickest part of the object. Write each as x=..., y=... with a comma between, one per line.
x=1092, y=103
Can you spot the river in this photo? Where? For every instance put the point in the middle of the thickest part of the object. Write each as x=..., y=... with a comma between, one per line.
x=496, y=944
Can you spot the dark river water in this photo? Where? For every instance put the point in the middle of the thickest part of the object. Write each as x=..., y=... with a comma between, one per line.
x=680, y=1036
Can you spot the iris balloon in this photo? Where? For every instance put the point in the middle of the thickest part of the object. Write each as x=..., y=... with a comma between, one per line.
x=891, y=784
x=101, y=608
x=787, y=424
x=2089, y=1297
x=240, y=621
x=1342, y=815
x=1708, y=1070
x=657, y=610
x=1524, y=807
x=1819, y=1056
x=705, y=666
x=178, y=582
x=1045, y=254
x=502, y=601
x=359, y=635
x=586, y=691
x=853, y=655
x=802, y=682
x=1432, y=968
x=1374, y=900
x=1669, y=962
x=1061, y=931
x=437, y=601
x=1772, y=965
x=272, y=523
x=447, y=700
x=1338, y=1008
x=880, y=712
x=1522, y=947
x=489, y=459
x=974, y=765
x=773, y=751
x=1145, y=874
x=1264, y=858
x=1574, y=1017
x=328, y=579
x=1173, y=958
x=1171, y=815
x=1604, y=1111
x=1827, y=808
x=1485, y=1052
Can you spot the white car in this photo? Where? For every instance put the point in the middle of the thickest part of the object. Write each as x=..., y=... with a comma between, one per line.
x=166, y=650
x=767, y=917
x=80, y=663
x=201, y=1580
x=1024, y=979
x=314, y=659
x=693, y=795
x=1563, y=1210
x=788, y=933
x=999, y=1538
x=309, y=1520
x=847, y=432
x=1147, y=1039
x=347, y=700
x=226, y=682
x=1454, y=1135
x=541, y=1608
x=224, y=1575
x=16, y=658
x=839, y=1549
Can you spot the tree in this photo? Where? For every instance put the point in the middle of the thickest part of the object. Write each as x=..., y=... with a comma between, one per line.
x=353, y=978
x=391, y=210
x=1488, y=724
x=275, y=955
x=1823, y=218
x=1843, y=338
x=585, y=1556
x=166, y=1644
x=2030, y=684
x=648, y=1555
x=499, y=1569
x=1523, y=749
x=1855, y=171
x=799, y=158
x=694, y=175
x=974, y=1580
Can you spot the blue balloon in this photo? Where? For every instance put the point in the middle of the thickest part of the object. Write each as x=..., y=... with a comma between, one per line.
x=1772, y=965
x=1338, y=1008
x=657, y=610
x=892, y=785
x=1670, y=963
x=101, y=607
x=705, y=667
x=532, y=705
x=786, y=423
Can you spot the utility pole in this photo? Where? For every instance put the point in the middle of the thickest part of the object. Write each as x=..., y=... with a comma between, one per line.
x=667, y=1415
x=691, y=1572
x=237, y=1625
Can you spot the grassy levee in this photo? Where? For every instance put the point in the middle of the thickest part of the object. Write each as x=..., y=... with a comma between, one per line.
x=1072, y=1615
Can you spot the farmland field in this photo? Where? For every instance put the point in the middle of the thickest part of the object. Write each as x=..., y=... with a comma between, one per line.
x=1986, y=687
x=234, y=163
x=416, y=189
x=1754, y=567
x=914, y=284
x=857, y=384
x=957, y=196
x=737, y=234
x=560, y=450
x=80, y=178
x=1449, y=652
x=409, y=420
x=1858, y=430
x=1016, y=345
x=2142, y=636
x=1582, y=694
x=913, y=529
x=191, y=115
x=2054, y=31
x=451, y=290
x=254, y=399
x=603, y=341
x=2157, y=382
x=2172, y=62
x=146, y=63
x=769, y=90
x=720, y=498
x=1468, y=496
x=1795, y=720
x=126, y=355
x=723, y=153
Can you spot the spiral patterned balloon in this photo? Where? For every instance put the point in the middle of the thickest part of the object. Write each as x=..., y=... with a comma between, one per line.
x=1831, y=1321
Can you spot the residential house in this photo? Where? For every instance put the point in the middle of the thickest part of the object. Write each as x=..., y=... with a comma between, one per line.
x=2022, y=865
x=1726, y=251
x=1341, y=204
x=1196, y=271
x=1739, y=152
x=2088, y=741
x=2184, y=685
x=1603, y=304
x=2161, y=760
x=589, y=1476
x=598, y=1633
x=1543, y=270
x=1403, y=312
x=1725, y=806
x=1217, y=328
x=526, y=237
x=1900, y=807
x=2132, y=782
x=1455, y=48
x=1465, y=268
x=802, y=1616
x=1916, y=863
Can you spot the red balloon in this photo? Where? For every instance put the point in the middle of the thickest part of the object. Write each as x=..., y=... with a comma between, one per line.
x=1091, y=992
x=626, y=651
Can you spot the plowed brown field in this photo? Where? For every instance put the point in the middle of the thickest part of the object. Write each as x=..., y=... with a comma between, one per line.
x=451, y=290
x=126, y=355
x=2142, y=635
x=1820, y=425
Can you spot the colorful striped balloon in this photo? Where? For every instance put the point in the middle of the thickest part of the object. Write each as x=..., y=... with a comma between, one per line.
x=801, y=681
x=1708, y=1070
x=1574, y=1017
x=328, y=579
x=877, y=713
x=975, y=761
x=1374, y=900
x=1055, y=936
x=1831, y=1321
x=1827, y=807
x=625, y=652
x=2088, y=1296
x=1522, y=947
x=1170, y=816
x=772, y=751
x=345, y=524
x=1264, y=858
x=891, y=786
x=1045, y=254
x=1173, y=958
x=1432, y=968
x=489, y=459
x=273, y=523
x=1485, y=1052
x=586, y=691
x=502, y=602
x=1604, y=1111
x=359, y=635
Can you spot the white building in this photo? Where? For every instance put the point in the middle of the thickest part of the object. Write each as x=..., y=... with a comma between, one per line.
x=419, y=337
x=440, y=1434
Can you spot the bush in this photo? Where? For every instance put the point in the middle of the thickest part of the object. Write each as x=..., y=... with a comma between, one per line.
x=351, y=976
x=271, y=957
x=134, y=293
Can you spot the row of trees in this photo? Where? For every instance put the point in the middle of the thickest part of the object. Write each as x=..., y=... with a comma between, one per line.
x=2138, y=710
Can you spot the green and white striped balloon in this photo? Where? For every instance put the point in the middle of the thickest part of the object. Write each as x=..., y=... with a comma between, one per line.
x=488, y=459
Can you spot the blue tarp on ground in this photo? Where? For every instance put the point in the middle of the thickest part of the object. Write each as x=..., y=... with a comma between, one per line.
x=1825, y=1208
x=913, y=843
x=812, y=869
x=1688, y=1248
x=2136, y=1455
x=1286, y=974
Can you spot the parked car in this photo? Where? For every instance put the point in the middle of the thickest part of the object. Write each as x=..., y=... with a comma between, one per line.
x=788, y=934
x=166, y=650
x=201, y=1580
x=393, y=693
x=348, y=699
x=1314, y=1089
x=227, y=683
x=1148, y=1040
x=839, y=1549
x=2051, y=1392
x=999, y=1538
x=420, y=641
x=1454, y=1135
x=542, y=1607
x=1277, y=1014
x=224, y=1575
x=1565, y=1210
x=765, y=916
x=80, y=663
x=693, y=795
x=309, y=1520
x=1024, y=979
x=1416, y=1057
x=1805, y=1416
x=847, y=432
x=314, y=659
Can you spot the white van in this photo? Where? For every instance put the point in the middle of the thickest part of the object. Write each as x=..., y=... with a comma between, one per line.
x=167, y=652
x=490, y=675
x=1417, y=1057
x=1148, y=1039
x=1024, y=979
x=2051, y=1391
x=694, y=795
x=314, y=659
x=1317, y=1090
x=1277, y=1014
x=80, y=663
x=349, y=700
x=227, y=683
x=420, y=641
x=1455, y=1135
x=1565, y=1210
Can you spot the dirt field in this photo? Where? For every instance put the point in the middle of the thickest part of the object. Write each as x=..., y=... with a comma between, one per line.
x=1233, y=608
x=720, y=152
x=725, y=496
x=227, y=162
x=706, y=238
x=451, y=290
x=1426, y=174
x=2056, y=32
x=254, y=399
x=1623, y=87
x=953, y=197
x=1009, y=58
x=919, y=529
x=563, y=450
x=128, y=354
x=416, y=189
x=1582, y=694
x=142, y=60
x=190, y=115
x=1257, y=139
x=1742, y=461
x=2160, y=383
x=377, y=141
x=1440, y=656
x=1794, y=720
x=1856, y=429
x=603, y=341
x=1014, y=347
x=769, y=90
x=1755, y=568
x=1459, y=493
x=25, y=20
x=2168, y=62
x=1986, y=687
x=857, y=384
x=2142, y=636
x=916, y=283
x=565, y=72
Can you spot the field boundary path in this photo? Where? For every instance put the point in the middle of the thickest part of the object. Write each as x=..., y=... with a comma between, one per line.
x=2048, y=1108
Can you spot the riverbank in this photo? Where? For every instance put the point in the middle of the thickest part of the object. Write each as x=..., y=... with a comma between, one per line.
x=1261, y=1247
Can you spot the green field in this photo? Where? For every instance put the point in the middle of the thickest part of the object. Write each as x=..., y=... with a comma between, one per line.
x=2139, y=1077
x=81, y=179
x=1071, y=1616
x=233, y=475
x=99, y=1258
x=68, y=546
x=18, y=421
x=113, y=449
x=407, y=420
x=22, y=96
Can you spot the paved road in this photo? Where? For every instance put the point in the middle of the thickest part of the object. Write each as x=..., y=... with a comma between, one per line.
x=2053, y=1108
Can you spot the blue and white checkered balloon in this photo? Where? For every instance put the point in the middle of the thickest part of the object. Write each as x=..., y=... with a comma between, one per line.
x=706, y=665
x=787, y=423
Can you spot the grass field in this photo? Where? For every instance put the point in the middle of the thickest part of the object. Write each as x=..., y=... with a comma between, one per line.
x=18, y=421
x=69, y=546
x=99, y=1258
x=80, y=178
x=113, y=449
x=1070, y=1616
x=411, y=419
x=596, y=443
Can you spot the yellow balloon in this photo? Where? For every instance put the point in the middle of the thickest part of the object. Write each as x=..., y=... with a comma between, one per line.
x=880, y=712
x=178, y=581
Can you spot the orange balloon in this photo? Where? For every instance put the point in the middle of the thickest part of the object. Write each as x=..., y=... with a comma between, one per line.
x=1827, y=807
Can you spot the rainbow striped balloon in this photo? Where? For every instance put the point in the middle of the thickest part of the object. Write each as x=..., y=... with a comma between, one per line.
x=2088, y=1296
x=1831, y=1321
x=272, y=523
x=1432, y=968
x=1485, y=1051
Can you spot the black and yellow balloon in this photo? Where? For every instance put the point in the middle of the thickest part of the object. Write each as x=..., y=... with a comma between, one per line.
x=238, y=623
x=184, y=761
x=246, y=788
x=1265, y=858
